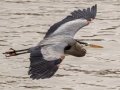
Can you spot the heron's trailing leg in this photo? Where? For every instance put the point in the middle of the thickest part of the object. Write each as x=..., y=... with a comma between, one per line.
x=13, y=52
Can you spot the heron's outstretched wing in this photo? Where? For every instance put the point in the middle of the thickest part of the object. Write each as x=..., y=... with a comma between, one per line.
x=44, y=60
x=72, y=23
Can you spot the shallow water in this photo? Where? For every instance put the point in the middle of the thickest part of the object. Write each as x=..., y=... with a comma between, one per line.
x=23, y=23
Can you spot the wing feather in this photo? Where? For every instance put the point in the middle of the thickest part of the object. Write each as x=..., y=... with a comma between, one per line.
x=62, y=27
x=44, y=60
x=86, y=13
x=54, y=27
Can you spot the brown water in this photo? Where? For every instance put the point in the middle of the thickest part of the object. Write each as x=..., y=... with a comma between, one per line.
x=23, y=23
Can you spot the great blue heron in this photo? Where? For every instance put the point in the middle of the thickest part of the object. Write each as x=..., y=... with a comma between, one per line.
x=45, y=58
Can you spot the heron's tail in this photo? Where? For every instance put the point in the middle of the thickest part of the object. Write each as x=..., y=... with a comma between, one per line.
x=13, y=52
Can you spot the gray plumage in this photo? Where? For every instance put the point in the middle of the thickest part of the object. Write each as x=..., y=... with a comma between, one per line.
x=70, y=28
x=53, y=47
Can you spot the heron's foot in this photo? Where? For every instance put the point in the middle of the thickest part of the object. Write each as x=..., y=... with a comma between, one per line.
x=9, y=53
x=13, y=52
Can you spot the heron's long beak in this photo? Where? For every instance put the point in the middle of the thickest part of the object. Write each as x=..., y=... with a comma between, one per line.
x=89, y=45
x=94, y=46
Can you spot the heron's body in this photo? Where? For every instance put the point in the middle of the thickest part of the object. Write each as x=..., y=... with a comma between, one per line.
x=45, y=58
x=59, y=42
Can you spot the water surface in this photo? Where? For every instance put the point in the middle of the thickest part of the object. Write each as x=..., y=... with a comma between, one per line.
x=23, y=23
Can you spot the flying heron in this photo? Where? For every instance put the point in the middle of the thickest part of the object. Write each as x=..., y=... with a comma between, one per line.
x=46, y=57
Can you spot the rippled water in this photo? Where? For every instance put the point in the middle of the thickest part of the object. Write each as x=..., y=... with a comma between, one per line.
x=23, y=23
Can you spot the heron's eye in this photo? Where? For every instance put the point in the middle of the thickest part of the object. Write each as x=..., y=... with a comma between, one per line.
x=67, y=47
